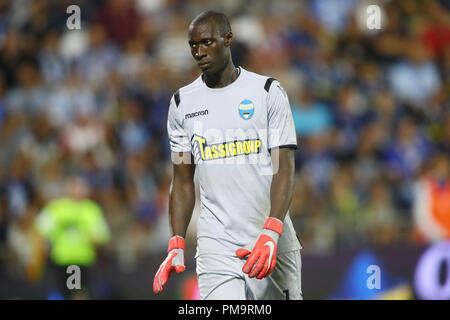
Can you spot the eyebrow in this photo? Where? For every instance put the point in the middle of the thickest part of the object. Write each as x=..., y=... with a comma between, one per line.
x=200, y=41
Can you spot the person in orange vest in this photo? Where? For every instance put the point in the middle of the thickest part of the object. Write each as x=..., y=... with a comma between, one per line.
x=432, y=201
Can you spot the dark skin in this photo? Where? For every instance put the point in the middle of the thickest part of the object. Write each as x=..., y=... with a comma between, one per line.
x=282, y=187
x=182, y=196
x=212, y=53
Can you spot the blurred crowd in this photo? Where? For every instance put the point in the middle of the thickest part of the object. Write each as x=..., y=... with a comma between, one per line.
x=371, y=110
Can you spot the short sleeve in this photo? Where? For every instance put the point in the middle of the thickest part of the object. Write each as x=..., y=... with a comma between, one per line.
x=281, y=128
x=178, y=137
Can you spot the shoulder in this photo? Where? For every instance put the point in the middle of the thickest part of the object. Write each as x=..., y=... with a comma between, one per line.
x=264, y=82
x=186, y=91
x=58, y=202
x=91, y=206
x=55, y=206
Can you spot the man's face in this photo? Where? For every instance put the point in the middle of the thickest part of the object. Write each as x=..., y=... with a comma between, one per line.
x=209, y=48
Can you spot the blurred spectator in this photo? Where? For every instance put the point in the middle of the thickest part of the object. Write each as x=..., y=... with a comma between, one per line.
x=350, y=117
x=26, y=248
x=404, y=157
x=346, y=208
x=41, y=145
x=132, y=129
x=436, y=32
x=367, y=166
x=173, y=50
x=407, y=151
x=120, y=19
x=416, y=79
x=2, y=99
x=19, y=192
x=100, y=57
x=70, y=100
x=333, y=15
x=248, y=29
x=11, y=55
x=310, y=116
x=432, y=201
x=74, y=226
x=134, y=60
x=318, y=163
x=142, y=188
x=54, y=68
x=445, y=135
x=28, y=96
x=381, y=221
x=51, y=179
x=85, y=134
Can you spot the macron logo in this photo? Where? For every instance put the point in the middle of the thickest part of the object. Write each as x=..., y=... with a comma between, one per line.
x=196, y=114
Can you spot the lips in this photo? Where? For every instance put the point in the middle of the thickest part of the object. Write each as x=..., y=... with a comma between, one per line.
x=203, y=65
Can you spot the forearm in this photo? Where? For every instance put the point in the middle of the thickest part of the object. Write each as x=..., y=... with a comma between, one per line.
x=181, y=205
x=261, y=259
x=282, y=187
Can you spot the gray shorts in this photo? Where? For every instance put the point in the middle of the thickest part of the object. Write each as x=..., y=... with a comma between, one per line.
x=221, y=278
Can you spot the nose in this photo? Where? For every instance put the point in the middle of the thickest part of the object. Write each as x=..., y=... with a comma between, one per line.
x=199, y=53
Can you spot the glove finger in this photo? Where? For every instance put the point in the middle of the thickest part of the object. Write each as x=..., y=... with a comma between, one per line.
x=272, y=266
x=241, y=253
x=260, y=266
x=264, y=272
x=156, y=281
x=157, y=286
x=268, y=268
x=163, y=274
x=248, y=266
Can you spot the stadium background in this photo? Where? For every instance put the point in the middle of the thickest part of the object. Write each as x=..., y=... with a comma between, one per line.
x=371, y=109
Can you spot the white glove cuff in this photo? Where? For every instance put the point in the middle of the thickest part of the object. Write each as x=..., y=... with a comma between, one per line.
x=274, y=235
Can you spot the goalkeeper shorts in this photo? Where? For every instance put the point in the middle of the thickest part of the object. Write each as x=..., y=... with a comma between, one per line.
x=221, y=277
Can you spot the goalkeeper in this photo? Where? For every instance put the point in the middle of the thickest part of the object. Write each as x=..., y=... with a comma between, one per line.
x=234, y=128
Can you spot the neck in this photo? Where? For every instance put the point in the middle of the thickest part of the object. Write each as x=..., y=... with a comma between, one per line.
x=223, y=77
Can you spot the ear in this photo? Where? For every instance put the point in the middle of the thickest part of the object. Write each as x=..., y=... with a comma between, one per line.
x=228, y=38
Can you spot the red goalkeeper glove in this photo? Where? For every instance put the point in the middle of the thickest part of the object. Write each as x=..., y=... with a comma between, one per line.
x=173, y=262
x=263, y=254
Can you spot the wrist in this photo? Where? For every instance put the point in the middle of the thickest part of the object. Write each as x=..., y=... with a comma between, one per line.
x=274, y=224
x=272, y=234
x=176, y=242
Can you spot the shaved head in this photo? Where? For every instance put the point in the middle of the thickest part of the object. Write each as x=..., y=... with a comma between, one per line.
x=219, y=19
x=210, y=39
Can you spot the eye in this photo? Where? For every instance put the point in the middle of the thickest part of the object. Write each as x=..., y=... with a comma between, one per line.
x=208, y=42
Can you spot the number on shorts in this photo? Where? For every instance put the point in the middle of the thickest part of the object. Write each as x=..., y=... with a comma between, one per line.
x=286, y=293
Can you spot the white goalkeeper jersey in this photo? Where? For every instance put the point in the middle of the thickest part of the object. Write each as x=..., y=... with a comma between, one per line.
x=230, y=133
